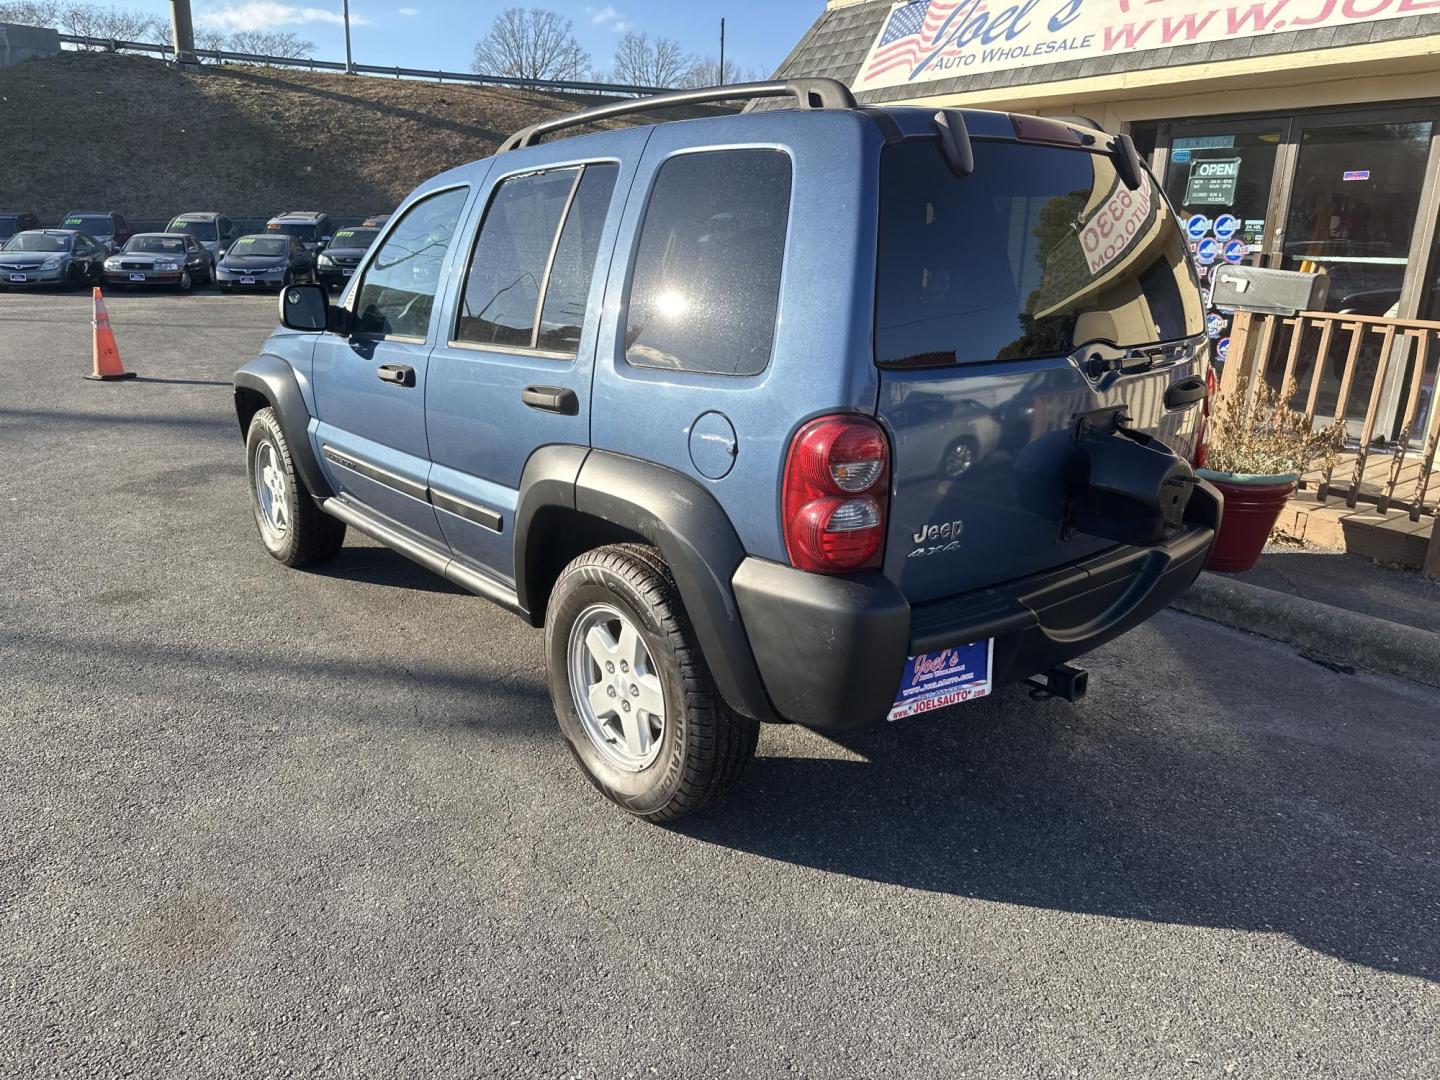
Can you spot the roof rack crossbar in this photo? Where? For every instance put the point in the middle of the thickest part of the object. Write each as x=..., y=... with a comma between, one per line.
x=808, y=94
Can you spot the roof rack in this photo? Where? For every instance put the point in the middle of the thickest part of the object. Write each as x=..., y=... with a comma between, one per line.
x=808, y=94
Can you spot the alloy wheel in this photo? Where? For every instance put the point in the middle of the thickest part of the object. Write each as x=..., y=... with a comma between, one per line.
x=616, y=688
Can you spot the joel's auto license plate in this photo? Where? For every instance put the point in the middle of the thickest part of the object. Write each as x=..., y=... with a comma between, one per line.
x=137, y=277
x=247, y=281
x=17, y=277
x=945, y=677
x=348, y=271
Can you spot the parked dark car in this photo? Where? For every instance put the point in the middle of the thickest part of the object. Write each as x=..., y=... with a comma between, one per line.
x=335, y=266
x=688, y=396
x=106, y=226
x=264, y=261
x=215, y=232
x=173, y=259
x=12, y=222
x=60, y=257
x=310, y=227
x=374, y=221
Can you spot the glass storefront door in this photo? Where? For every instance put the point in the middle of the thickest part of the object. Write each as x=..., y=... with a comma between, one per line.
x=1222, y=179
x=1353, y=208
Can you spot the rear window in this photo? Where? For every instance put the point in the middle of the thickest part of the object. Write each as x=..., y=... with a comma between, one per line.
x=1039, y=251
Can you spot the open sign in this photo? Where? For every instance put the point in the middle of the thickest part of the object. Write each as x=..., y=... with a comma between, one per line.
x=1212, y=182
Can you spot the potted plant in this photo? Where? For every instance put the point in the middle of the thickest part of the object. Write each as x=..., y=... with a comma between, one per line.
x=1259, y=446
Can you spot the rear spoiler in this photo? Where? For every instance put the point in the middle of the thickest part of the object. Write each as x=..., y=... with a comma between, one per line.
x=960, y=155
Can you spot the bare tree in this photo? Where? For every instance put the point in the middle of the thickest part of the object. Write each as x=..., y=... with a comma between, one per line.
x=279, y=43
x=531, y=44
x=32, y=13
x=205, y=38
x=641, y=61
x=99, y=21
x=706, y=72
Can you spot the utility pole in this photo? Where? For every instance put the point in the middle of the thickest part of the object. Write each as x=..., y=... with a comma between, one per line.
x=722, y=52
x=183, y=28
x=349, y=64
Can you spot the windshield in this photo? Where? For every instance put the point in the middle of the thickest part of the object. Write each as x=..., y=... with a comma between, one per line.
x=300, y=232
x=1040, y=250
x=270, y=247
x=354, y=238
x=201, y=230
x=94, y=224
x=37, y=241
x=156, y=245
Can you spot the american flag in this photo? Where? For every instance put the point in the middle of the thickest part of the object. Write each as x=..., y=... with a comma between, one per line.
x=910, y=34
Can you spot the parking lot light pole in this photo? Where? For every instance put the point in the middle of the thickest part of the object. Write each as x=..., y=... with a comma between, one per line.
x=349, y=64
x=184, y=33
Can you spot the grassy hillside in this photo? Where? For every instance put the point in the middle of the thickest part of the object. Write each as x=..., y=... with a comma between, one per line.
x=125, y=133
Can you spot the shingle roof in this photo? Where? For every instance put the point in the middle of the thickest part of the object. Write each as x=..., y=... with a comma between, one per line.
x=838, y=43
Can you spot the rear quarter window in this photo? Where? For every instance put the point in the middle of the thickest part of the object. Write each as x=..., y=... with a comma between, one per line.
x=1039, y=251
x=706, y=279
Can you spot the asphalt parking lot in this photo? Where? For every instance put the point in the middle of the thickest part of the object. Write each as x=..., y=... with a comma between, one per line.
x=260, y=823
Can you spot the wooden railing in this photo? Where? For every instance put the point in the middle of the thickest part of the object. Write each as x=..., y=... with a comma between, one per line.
x=1394, y=429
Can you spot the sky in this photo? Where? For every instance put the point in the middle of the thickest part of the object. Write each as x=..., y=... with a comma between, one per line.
x=442, y=33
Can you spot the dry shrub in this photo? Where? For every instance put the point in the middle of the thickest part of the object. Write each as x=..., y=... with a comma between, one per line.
x=1262, y=435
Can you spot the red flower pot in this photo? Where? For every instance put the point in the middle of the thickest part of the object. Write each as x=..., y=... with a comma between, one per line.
x=1252, y=506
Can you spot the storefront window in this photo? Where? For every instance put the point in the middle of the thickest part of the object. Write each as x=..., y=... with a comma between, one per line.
x=1353, y=210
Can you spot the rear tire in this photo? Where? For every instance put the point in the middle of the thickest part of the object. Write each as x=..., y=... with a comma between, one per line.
x=292, y=527
x=619, y=605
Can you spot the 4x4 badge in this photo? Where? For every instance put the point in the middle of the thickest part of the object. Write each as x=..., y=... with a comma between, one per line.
x=933, y=539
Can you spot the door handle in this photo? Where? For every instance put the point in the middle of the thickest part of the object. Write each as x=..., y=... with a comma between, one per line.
x=1185, y=392
x=556, y=399
x=399, y=374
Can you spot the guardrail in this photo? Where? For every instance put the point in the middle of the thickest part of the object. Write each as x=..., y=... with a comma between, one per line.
x=222, y=56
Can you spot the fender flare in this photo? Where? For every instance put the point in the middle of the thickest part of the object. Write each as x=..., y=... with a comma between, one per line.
x=274, y=380
x=673, y=513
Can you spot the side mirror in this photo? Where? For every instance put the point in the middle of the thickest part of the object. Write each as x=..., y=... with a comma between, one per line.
x=305, y=307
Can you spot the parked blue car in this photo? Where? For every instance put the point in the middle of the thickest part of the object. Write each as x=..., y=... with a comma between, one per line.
x=818, y=415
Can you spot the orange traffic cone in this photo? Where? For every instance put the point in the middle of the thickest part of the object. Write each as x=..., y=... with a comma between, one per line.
x=107, y=353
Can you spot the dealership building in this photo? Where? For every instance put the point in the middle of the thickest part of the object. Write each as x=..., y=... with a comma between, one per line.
x=1307, y=130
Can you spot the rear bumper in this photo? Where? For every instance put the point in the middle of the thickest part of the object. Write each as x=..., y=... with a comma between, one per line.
x=831, y=650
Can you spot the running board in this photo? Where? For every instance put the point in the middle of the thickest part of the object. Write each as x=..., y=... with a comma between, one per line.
x=428, y=556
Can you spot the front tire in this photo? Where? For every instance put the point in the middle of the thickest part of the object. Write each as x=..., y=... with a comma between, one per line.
x=292, y=528
x=631, y=690
x=186, y=282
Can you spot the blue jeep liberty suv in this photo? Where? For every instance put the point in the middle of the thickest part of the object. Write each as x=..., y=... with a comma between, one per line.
x=814, y=415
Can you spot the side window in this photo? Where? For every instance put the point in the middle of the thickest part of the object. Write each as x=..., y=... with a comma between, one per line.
x=535, y=259
x=400, y=285
x=706, y=280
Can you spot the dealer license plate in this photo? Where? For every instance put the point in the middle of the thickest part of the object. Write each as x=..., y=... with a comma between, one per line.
x=18, y=277
x=247, y=281
x=137, y=277
x=945, y=677
x=349, y=271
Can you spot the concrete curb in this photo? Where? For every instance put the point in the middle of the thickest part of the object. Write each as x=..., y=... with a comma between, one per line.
x=1318, y=630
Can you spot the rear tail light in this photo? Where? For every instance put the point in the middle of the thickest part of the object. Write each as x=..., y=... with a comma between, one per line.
x=1202, y=433
x=836, y=495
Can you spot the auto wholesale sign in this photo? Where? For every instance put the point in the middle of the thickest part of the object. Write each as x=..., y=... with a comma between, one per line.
x=925, y=40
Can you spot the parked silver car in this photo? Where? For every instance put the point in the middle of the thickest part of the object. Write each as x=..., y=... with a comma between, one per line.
x=214, y=232
x=50, y=257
